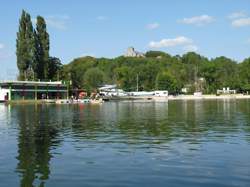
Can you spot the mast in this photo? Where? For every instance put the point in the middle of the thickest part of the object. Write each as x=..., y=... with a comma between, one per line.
x=137, y=82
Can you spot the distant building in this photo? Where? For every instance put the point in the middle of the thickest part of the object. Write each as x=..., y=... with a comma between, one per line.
x=184, y=90
x=32, y=90
x=132, y=53
x=161, y=93
x=226, y=91
x=198, y=94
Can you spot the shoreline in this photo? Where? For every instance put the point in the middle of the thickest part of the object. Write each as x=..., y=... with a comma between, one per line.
x=207, y=97
x=179, y=97
x=145, y=98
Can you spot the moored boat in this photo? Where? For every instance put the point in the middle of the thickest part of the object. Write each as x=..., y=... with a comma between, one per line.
x=96, y=101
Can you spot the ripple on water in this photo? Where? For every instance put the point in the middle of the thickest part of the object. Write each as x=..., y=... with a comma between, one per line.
x=205, y=143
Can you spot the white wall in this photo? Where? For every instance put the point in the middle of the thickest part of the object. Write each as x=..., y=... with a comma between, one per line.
x=3, y=93
x=161, y=93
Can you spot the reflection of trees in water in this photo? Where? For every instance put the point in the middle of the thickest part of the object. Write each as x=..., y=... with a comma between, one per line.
x=36, y=136
x=162, y=122
x=128, y=123
x=140, y=121
x=244, y=108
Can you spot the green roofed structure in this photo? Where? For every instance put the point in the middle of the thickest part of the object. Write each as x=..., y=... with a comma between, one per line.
x=32, y=90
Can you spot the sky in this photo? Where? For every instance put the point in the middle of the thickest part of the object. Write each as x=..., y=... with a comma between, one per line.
x=106, y=28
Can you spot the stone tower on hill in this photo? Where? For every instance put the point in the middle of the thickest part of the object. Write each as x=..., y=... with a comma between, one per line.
x=132, y=53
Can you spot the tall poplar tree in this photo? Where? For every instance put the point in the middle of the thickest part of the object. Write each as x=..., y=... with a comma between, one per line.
x=24, y=46
x=35, y=60
x=42, y=49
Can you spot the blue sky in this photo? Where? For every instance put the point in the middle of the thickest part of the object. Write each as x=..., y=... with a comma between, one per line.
x=105, y=28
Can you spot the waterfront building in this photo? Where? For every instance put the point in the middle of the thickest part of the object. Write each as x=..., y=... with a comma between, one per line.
x=161, y=93
x=32, y=90
x=226, y=91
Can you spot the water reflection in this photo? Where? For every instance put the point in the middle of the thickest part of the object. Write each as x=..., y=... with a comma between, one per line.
x=35, y=140
x=165, y=131
x=159, y=122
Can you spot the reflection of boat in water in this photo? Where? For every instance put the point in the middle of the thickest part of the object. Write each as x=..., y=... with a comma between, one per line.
x=84, y=101
x=50, y=101
x=79, y=101
x=160, y=99
x=62, y=101
x=65, y=101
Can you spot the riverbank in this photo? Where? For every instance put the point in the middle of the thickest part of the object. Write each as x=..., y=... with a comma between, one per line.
x=138, y=98
x=178, y=97
x=192, y=97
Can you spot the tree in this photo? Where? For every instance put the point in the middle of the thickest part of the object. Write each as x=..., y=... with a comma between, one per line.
x=226, y=74
x=93, y=78
x=42, y=49
x=24, y=45
x=54, y=68
x=126, y=79
x=155, y=54
x=244, y=69
x=166, y=81
x=32, y=51
x=168, y=72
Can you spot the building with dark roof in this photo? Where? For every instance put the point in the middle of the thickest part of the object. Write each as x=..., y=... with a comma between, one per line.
x=32, y=90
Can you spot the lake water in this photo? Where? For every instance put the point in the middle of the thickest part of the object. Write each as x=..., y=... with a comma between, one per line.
x=179, y=143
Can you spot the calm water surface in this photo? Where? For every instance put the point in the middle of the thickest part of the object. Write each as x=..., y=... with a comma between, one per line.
x=179, y=143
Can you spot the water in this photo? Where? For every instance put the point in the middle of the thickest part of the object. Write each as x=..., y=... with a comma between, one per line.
x=179, y=143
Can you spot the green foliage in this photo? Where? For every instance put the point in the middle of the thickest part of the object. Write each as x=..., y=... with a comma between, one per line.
x=32, y=51
x=155, y=54
x=244, y=74
x=54, y=67
x=42, y=44
x=166, y=81
x=168, y=72
x=93, y=78
x=226, y=74
x=24, y=45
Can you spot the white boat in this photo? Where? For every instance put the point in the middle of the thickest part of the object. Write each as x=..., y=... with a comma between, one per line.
x=96, y=101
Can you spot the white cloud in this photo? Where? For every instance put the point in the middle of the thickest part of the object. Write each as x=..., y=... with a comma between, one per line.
x=153, y=26
x=241, y=22
x=56, y=21
x=198, y=20
x=236, y=15
x=101, y=18
x=178, y=41
x=1, y=46
x=248, y=41
x=189, y=48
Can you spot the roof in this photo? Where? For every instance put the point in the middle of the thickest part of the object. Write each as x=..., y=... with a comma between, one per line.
x=31, y=83
x=107, y=87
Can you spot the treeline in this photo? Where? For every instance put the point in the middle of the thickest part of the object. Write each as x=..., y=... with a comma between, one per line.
x=32, y=51
x=160, y=71
x=157, y=71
